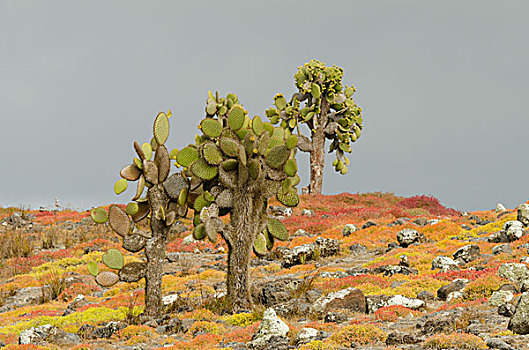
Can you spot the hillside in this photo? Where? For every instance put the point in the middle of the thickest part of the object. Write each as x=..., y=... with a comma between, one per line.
x=381, y=253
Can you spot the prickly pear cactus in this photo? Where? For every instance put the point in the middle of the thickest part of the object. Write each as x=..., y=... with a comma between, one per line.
x=328, y=109
x=236, y=164
x=156, y=198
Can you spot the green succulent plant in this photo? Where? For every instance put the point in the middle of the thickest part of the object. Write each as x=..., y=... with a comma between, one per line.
x=327, y=108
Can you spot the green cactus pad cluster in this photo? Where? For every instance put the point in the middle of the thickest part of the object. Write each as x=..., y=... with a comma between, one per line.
x=199, y=232
x=229, y=146
x=212, y=153
x=259, y=245
x=291, y=168
x=93, y=268
x=291, y=199
x=113, y=259
x=203, y=170
x=236, y=117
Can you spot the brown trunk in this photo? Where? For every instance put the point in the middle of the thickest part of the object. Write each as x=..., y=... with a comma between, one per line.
x=155, y=251
x=317, y=161
x=247, y=221
x=317, y=154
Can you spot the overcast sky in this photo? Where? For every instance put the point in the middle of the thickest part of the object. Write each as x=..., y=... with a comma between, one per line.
x=444, y=88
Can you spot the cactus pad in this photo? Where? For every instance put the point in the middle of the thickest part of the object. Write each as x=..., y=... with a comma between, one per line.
x=230, y=164
x=277, y=156
x=254, y=168
x=143, y=211
x=113, y=259
x=236, y=117
x=200, y=202
x=119, y=220
x=257, y=125
x=292, y=142
x=259, y=245
x=138, y=163
x=286, y=186
x=107, y=279
x=211, y=153
x=133, y=243
x=203, y=170
x=277, y=229
x=225, y=199
x=291, y=167
x=99, y=215
x=211, y=127
x=132, y=272
x=174, y=185
x=315, y=91
x=147, y=150
x=170, y=218
x=187, y=156
x=150, y=171
x=120, y=186
x=139, y=188
x=138, y=150
x=161, y=159
x=93, y=268
x=161, y=128
x=130, y=172
x=229, y=146
x=132, y=208
x=291, y=199
x=199, y=233
x=182, y=197
x=269, y=240
x=154, y=144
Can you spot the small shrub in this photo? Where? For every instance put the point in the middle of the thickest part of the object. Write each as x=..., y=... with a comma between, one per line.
x=482, y=287
x=359, y=333
x=206, y=327
x=244, y=319
x=319, y=345
x=428, y=203
x=53, y=284
x=455, y=341
x=394, y=312
x=135, y=334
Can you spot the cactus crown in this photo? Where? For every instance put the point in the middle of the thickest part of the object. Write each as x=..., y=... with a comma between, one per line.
x=320, y=90
x=234, y=152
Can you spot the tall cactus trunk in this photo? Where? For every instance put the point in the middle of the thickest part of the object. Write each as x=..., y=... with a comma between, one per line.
x=246, y=223
x=155, y=252
x=317, y=161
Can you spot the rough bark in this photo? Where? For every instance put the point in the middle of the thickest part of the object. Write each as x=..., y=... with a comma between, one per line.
x=247, y=220
x=155, y=252
x=317, y=154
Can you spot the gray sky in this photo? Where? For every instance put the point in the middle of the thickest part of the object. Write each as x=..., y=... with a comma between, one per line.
x=444, y=87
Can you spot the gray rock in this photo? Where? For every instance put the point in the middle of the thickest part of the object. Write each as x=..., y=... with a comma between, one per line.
x=22, y=297
x=335, y=317
x=467, y=253
x=409, y=236
x=306, y=335
x=109, y=329
x=275, y=292
x=321, y=248
x=397, y=338
x=425, y=295
x=497, y=343
x=499, y=208
x=189, y=239
x=358, y=248
x=62, y=339
x=512, y=231
x=455, y=286
x=368, y=224
x=410, y=303
x=348, y=298
x=348, y=229
x=501, y=249
x=307, y=212
x=390, y=270
x=506, y=310
x=50, y=334
x=444, y=263
x=519, y=322
x=500, y=297
x=271, y=330
x=514, y=272
x=523, y=214
x=375, y=302
x=420, y=221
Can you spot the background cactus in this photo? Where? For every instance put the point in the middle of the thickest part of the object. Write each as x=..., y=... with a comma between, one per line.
x=160, y=205
x=327, y=108
x=235, y=166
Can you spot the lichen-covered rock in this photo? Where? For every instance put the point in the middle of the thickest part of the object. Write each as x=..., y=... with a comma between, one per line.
x=375, y=302
x=512, y=231
x=523, y=214
x=444, y=263
x=348, y=230
x=409, y=236
x=22, y=297
x=306, y=335
x=390, y=270
x=467, y=253
x=514, y=272
x=499, y=208
x=519, y=322
x=500, y=297
x=299, y=255
x=348, y=298
x=48, y=334
x=272, y=330
x=502, y=249
x=410, y=303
